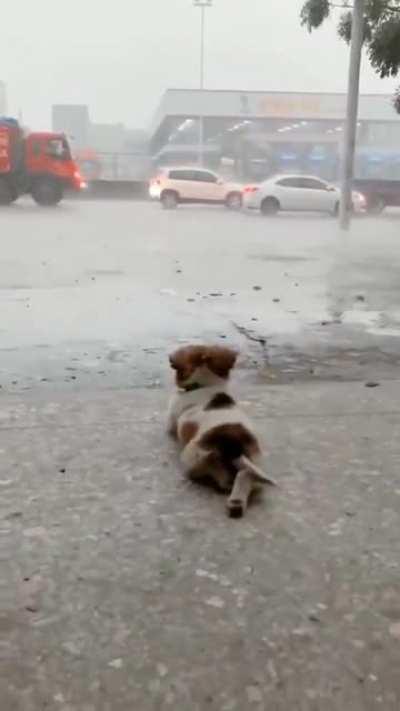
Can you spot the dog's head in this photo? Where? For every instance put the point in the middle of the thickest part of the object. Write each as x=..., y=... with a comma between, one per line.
x=202, y=365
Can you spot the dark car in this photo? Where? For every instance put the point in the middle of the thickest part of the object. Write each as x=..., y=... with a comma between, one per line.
x=378, y=193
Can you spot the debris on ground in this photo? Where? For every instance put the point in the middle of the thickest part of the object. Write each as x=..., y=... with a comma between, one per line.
x=249, y=334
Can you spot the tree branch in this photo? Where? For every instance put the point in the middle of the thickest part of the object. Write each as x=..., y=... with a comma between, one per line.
x=347, y=6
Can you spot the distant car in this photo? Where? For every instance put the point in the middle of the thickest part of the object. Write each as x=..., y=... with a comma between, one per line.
x=379, y=193
x=174, y=186
x=297, y=193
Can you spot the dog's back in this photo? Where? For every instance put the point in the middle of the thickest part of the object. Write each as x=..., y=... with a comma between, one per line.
x=230, y=440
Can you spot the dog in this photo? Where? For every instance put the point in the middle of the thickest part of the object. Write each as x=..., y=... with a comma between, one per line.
x=217, y=439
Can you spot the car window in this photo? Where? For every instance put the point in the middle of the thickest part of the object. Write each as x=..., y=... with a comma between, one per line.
x=290, y=183
x=181, y=175
x=202, y=176
x=313, y=184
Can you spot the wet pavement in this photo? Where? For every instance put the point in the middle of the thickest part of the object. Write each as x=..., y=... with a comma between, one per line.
x=94, y=294
x=123, y=586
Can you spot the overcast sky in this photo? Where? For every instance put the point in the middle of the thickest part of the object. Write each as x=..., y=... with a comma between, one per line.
x=119, y=56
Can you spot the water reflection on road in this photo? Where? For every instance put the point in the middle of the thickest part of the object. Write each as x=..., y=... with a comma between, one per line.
x=95, y=294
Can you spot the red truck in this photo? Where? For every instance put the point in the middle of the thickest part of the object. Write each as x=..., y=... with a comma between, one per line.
x=39, y=164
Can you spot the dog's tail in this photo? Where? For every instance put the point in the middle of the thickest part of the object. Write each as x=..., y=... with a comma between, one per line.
x=247, y=475
x=236, y=446
x=243, y=463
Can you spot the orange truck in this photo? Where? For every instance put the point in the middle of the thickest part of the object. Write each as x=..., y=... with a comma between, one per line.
x=37, y=164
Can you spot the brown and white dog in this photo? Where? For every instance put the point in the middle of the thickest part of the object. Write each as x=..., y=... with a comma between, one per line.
x=218, y=440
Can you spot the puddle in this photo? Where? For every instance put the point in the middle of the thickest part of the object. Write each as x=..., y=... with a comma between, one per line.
x=361, y=318
x=371, y=320
x=390, y=332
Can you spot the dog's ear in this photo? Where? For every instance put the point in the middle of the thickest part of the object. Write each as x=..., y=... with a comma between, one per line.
x=177, y=359
x=188, y=357
x=173, y=361
x=220, y=360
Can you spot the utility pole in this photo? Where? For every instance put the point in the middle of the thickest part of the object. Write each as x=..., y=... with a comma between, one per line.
x=202, y=4
x=350, y=134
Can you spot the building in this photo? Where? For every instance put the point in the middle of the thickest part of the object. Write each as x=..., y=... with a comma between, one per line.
x=116, y=152
x=74, y=121
x=3, y=99
x=253, y=134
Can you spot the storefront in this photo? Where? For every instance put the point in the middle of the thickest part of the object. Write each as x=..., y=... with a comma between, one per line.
x=256, y=134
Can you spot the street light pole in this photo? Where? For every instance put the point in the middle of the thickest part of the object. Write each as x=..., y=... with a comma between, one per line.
x=202, y=4
x=350, y=135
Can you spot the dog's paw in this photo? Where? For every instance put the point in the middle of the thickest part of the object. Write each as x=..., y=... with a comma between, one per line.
x=235, y=508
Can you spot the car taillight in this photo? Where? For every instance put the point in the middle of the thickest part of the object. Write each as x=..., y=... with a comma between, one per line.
x=250, y=189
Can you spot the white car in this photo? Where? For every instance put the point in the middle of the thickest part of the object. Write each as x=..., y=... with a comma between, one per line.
x=194, y=185
x=297, y=193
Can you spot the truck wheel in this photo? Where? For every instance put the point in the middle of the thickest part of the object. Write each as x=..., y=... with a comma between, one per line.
x=47, y=192
x=6, y=193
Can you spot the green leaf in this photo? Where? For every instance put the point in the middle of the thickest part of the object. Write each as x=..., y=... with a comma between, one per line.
x=384, y=47
x=381, y=31
x=344, y=27
x=396, y=100
x=313, y=13
x=380, y=9
x=345, y=24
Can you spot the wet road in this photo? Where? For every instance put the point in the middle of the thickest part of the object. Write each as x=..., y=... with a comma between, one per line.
x=94, y=294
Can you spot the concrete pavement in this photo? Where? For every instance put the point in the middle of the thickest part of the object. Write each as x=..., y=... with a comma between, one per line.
x=125, y=588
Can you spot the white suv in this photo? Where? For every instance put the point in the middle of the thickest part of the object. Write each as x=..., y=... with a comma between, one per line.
x=194, y=185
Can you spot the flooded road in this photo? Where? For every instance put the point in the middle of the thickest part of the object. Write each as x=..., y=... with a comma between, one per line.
x=93, y=295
